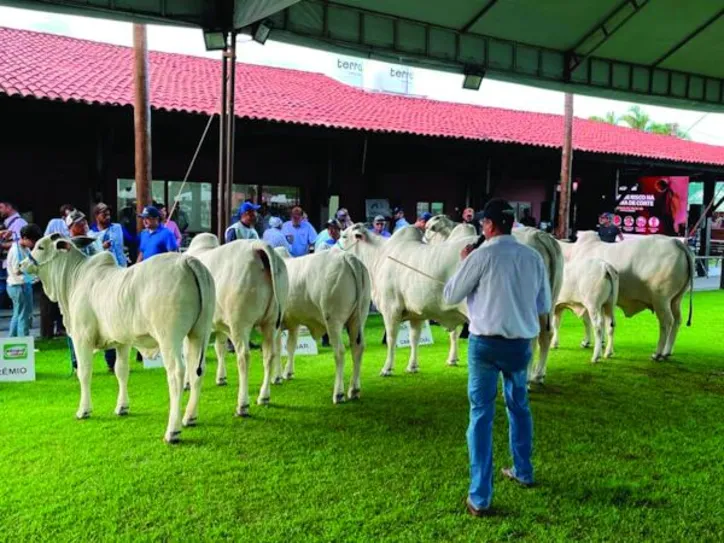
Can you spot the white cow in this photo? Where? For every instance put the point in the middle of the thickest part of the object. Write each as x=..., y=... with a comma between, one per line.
x=654, y=273
x=401, y=293
x=441, y=227
x=542, y=242
x=251, y=291
x=328, y=292
x=590, y=290
x=158, y=304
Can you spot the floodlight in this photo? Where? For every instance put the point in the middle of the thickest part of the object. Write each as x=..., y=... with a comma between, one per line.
x=260, y=31
x=473, y=78
x=214, y=40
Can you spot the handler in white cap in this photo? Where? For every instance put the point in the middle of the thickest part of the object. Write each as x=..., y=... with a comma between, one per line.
x=507, y=291
x=273, y=235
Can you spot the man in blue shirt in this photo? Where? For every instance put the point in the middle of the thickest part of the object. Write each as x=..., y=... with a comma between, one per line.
x=399, y=214
x=507, y=291
x=299, y=233
x=110, y=234
x=155, y=238
x=378, y=227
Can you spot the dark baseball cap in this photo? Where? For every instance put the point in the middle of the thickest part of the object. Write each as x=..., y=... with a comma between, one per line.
x=150, y=212
x=397, y=209
x=499, y=211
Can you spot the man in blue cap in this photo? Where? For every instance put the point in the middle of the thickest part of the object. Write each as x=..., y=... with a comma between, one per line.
x=422, y=220
x=399, y=215
x=507, y=291
x=155, y=238
x=244, y=228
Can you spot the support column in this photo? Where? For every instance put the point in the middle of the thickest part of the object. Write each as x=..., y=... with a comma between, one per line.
x=141, y=120
x=563, y=229
x=230, y=122
x=221, y=215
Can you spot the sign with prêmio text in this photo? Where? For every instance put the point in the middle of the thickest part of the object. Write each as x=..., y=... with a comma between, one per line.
x=305, y=343
x=17, y=359
x=403, y=336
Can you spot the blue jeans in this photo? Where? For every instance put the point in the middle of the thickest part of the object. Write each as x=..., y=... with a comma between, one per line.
x=22, y=297
x=108, y=354
x=487, y=358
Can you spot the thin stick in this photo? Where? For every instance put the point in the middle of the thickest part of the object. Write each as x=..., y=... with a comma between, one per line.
x=416, y=270
x=191, y=165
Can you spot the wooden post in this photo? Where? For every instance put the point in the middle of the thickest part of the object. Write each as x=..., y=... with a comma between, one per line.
x=141, y=120
x=231, y=125
x=221, y=205
x=563, y=229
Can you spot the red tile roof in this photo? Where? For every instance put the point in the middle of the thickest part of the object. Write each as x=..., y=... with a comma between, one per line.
x=54, y=67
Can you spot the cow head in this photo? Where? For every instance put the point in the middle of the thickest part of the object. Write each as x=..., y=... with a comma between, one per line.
x=49, y=252
x=438, y=226
x=354, y=234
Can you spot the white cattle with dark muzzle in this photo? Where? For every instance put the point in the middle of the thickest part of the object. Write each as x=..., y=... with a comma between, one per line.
x=328, y=292
x=654, y=272
x=590, y=290
x=251, y=291
x=441, y=227
x=159, y=304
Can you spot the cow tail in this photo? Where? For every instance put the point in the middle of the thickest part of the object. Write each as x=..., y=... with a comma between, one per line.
x=692, y=271
x=272, y=261
x=612, y=274
x=361, y=283
x=555, y=268
x=207, y=300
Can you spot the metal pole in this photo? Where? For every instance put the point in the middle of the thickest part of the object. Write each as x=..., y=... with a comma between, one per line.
x=231, y=124
x=141, y=120
x=563, y=230
x=221, y=188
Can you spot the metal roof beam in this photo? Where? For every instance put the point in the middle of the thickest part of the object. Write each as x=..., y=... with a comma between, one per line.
x=611, y=24
x=688, y=38
x=478, y=16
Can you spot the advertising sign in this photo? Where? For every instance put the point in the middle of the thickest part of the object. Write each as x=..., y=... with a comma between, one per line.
x=349, y=70
x=156, y=361
x=403, y=336
x=394, y=78
x=653, y=205
x=17, y=359
x=305, y=342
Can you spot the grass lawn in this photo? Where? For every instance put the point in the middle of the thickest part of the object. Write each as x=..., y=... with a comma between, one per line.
x=628, y=449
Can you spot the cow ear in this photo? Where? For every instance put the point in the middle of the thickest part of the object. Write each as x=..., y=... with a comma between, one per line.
x=63, y=245
x=54, y=236
x=359, y=236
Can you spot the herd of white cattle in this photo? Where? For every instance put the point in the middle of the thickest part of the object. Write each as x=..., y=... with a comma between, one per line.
x=173, y=302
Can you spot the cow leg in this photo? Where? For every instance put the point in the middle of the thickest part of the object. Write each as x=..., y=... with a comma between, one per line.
x=676, y=312
x=392, y=326
x=586, y=342
x=195, y=353
x=556, y=326
x=610, y=323
x=267, y=333
x=241, y=346
x=452, y=357
x=220, y=348
x=293, y=334
x=84, y=356
x=537, y=371
x=334, y=331
x=122, y=367
x=597, y=323
x=173, y=361
x=666, y=324
x=277, y=361
x=415, y=330
x=357, y=346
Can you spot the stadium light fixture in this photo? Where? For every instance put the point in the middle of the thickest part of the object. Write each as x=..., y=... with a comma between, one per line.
x=473, y=78
x=260, y=31
x=215, y=40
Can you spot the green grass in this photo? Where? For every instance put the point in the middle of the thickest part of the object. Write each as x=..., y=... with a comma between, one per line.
x=628, y=449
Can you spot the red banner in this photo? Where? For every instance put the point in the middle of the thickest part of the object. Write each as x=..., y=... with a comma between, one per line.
x=653, y=205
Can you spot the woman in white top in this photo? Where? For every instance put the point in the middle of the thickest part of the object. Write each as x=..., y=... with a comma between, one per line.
x=20, y=283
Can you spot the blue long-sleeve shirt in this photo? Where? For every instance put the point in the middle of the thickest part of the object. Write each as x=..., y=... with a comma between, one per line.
x=506, y=286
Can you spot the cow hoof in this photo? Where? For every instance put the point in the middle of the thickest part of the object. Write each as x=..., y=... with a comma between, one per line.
x=657, y=357
x=288, y=376
x=80, y=415
x=262, y=401
x=585, y=344
x=187, y=387
x=412, y=369
x=595, y=359
x=242, y=411
x=452, y=363
x=554, y=345
x=354, y=394
x=278, y=381
x=189, y=422
x=386, y=373
x=221, y=382
x=172, y=437
x=122, y=411
x=339, y=398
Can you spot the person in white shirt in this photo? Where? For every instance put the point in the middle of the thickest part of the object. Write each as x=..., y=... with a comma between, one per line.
x=20, y=283
x=273, y=235
x=507, y=290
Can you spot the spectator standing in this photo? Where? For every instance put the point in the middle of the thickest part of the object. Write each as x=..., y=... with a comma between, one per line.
x=274, y=237
x=12, y=224
x=168, y=223
x=607, y=231
x=507, y=290
x=244, y=227
x=57, y=225
x=470, y=219
x=399, y=215
x=422, y=220
x=378, y=227
x=110, y=234
x=299, y=233
x=343, y=217
x=263, y=219
x=155, y=238
x=334, y=231
x=20, y=283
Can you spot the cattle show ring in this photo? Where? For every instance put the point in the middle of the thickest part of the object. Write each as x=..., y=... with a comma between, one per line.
x=464, y=372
